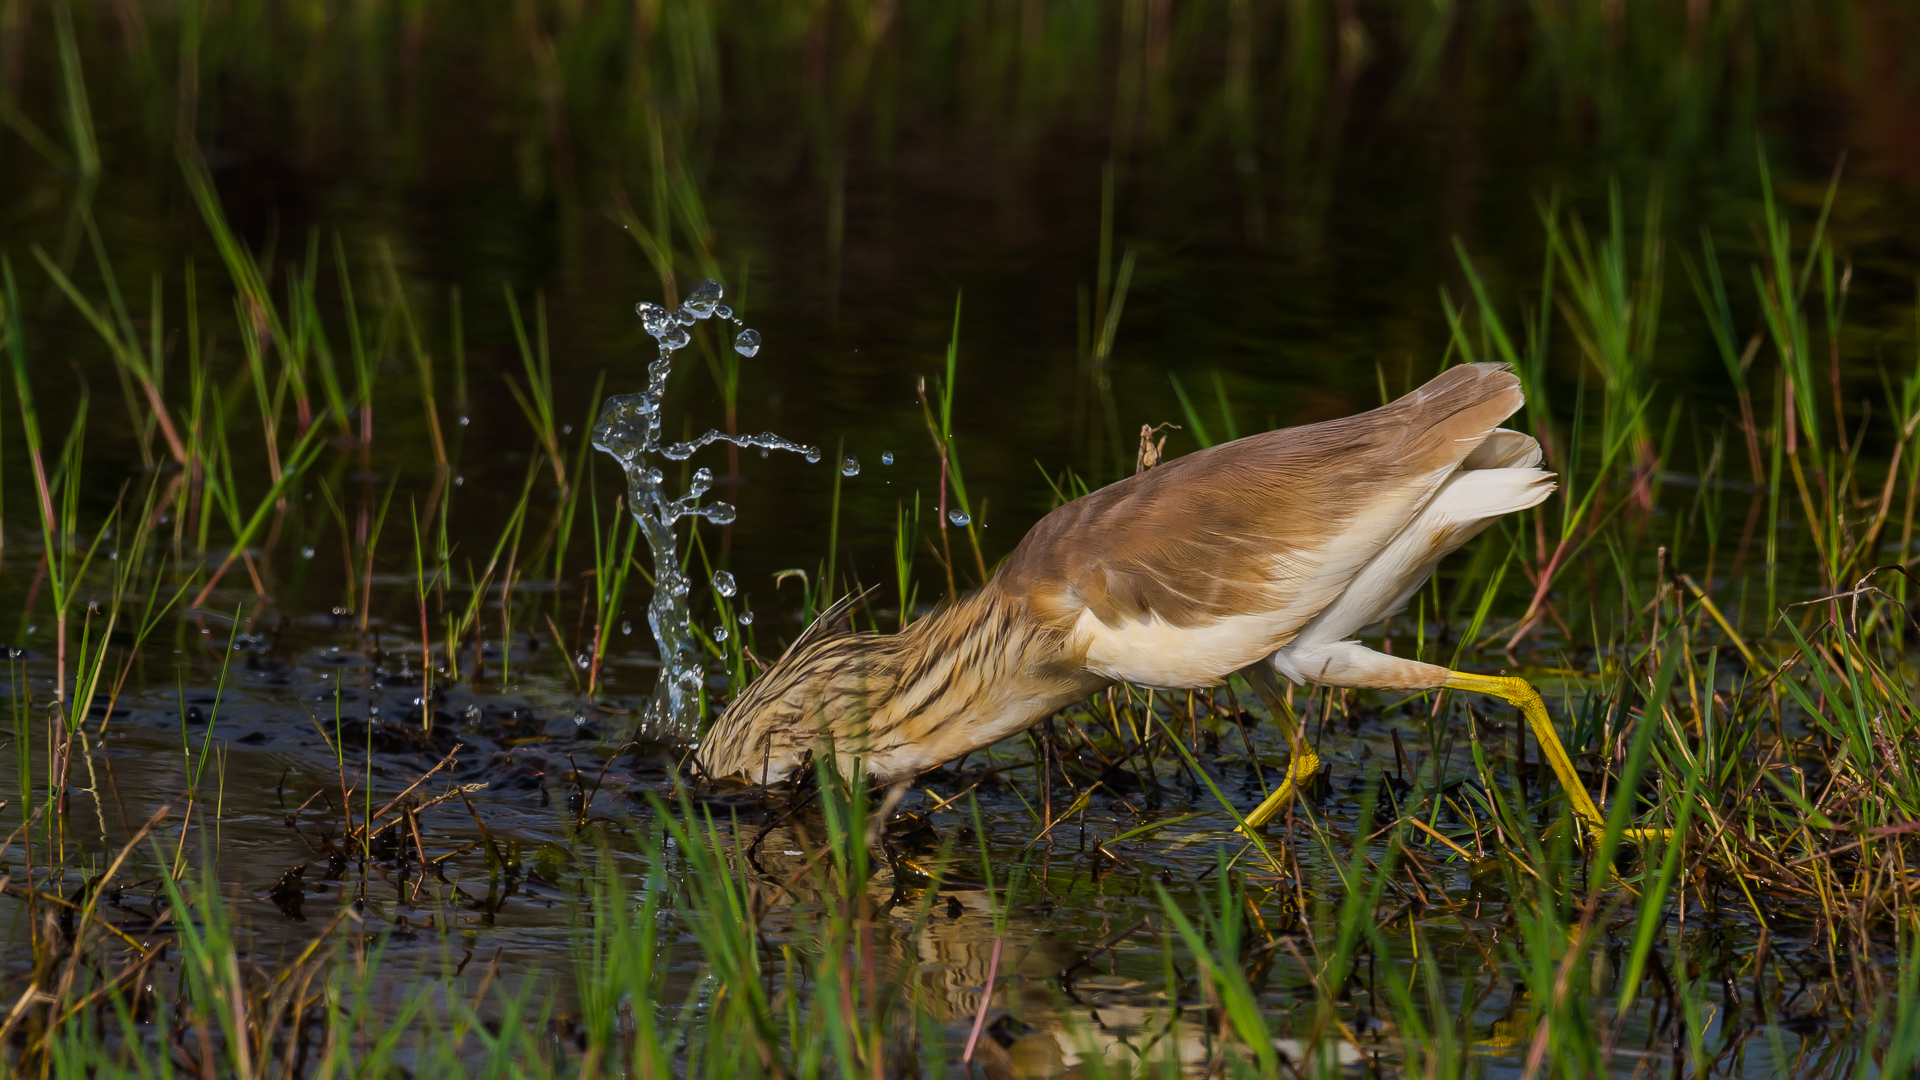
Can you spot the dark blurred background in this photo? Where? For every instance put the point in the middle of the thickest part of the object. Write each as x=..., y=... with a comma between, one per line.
x=1260, y=199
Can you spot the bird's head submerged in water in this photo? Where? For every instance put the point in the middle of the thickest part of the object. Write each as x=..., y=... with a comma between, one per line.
x=824, y=689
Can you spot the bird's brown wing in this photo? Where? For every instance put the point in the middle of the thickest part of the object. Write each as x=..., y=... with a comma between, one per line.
x=1272, y=522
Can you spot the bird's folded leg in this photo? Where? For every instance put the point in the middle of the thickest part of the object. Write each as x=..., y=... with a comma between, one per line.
x=1302, y=763
x=1523, y=696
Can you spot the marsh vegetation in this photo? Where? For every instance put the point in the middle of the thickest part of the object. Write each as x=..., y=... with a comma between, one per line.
x=324, y=750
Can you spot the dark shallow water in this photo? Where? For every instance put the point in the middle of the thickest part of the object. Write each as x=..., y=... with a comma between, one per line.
x=557, y=788
x=1290, y=239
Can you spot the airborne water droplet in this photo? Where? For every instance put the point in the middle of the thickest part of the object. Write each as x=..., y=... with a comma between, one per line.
x=747, y=342
x=724, y=584
x=850, y=467
x=719, y=633
x=656, y=319
x=813, y=455
x=746, y=618
x=626, y=626
x=723, y=312
x=960, y=520
x=886, y=457
x=704, y=300
x=582, y=661
x=306, y=553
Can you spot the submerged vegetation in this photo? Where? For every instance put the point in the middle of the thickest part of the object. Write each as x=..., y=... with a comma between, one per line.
x=331, y=749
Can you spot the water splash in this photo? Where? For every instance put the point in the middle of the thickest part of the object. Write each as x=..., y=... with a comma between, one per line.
x=629, y=430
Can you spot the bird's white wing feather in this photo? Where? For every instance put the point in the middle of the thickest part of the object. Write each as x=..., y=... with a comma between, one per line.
x=1468, y=502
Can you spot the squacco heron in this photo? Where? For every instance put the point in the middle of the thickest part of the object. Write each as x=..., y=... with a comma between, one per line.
x=1263, y=557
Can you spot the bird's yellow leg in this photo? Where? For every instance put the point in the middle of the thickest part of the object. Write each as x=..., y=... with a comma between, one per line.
x=1523, y=696
x=1303, y=762
x=1299, y=770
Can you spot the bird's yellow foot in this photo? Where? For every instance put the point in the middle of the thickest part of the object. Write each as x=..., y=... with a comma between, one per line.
x=1590, y=836
x=1301, y=769
x=1642, y=836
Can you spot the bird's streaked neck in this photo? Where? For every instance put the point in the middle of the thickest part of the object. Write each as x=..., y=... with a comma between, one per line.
x=974, y=673
x=894, y=705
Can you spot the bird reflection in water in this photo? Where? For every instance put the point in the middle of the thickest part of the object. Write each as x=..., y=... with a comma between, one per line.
x=1060, y=1008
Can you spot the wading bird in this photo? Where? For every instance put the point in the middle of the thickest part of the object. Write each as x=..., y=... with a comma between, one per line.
x=1262, y=557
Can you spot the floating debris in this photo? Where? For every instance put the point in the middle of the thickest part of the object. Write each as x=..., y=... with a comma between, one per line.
x=289, y=893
